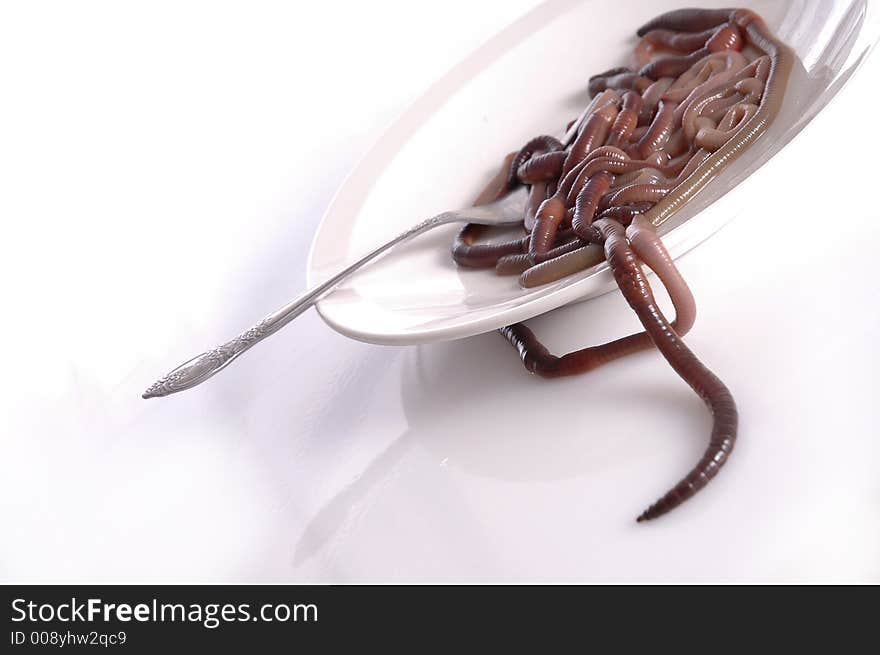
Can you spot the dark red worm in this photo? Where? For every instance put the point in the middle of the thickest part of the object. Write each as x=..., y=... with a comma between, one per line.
x=464, y=251
x=726, y=37
x=611, y=72
x=553, y=212
x=588, y=201
x=547, y=221
x=624, y=214
x=651, y=138
x=649, y=193
x=484, y=255
x=658, y=132
x=626, y=120
x=537, y=195
x=622, y=81
x=630, y=278
x=593, y=131
x=542, y=168
x=516, y=264
x=637, y=291
x=672, y=66
x=651, y=98
x=537, y=359
x=670, y=169
x=678, y=41
x=535, y=146
x=687, y=20
x=653, y=192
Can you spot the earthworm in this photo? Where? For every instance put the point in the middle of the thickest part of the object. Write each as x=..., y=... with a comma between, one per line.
x=782, y=61
x=651, y=97
x=643, y=53
x=464, y=251
x=677, y=144
x=624, y=214
x=705, y=86
x=645, y=192
x=659, y=131
x=537, y=195
x=714, y=63
x=610, y=72
x=626, y=120
x=673, y=66
x=536, y=357
x=562, y=266
x=516, y=264
x=594, y=130
x=731, y=69
x=726, y=38
x=553, y=212
x=537, y=145
x=708, y=106
x=541, y=168
x=631, y=280
x=712, y=139
x=588, y=201
x=484, y=255
x=687, y=20
x=547, y=221
x=678, y=41
x=621, y=81
x=613, y=165
x=498, y=185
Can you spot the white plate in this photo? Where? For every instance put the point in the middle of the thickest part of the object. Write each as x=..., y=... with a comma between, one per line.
x=530, y=79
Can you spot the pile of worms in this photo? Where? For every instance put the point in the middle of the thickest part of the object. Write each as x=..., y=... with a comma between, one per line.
x=704, y=85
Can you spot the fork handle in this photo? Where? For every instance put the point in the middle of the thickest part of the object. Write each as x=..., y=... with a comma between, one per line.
x=203, y=366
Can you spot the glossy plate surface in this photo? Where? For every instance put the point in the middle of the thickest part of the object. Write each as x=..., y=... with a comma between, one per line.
x=528, y=80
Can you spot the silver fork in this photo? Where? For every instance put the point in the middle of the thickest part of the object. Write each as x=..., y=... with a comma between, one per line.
x=505, y=211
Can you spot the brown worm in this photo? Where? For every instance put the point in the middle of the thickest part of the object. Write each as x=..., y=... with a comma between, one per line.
x=516, y=264
x=720, y=71
x=537, y=359
x=484, y=255
x=626, y=120
x=705, y=86
x=497, y=186
x=687, y=20
x=624, y=214
x=782, y=61
x=588, y=201
x=712, y=139
x=620, y=81
x=651, y=98
x=547, y=221
x=541, y=168
x=537, y=195
x=673, y=66
x=730, y=69
x=594, y=130
x=637, y=291
x=659, y=131
x=463, y=250
x=537, y=145
x=679, y=41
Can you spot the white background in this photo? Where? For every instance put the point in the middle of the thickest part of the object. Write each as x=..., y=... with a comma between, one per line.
x=162, y=169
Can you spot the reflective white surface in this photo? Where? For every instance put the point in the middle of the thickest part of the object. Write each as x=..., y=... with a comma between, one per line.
x=527, y=80
x=164, y=172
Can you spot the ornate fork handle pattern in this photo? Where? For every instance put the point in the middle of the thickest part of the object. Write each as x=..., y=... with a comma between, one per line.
x=203, y=366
